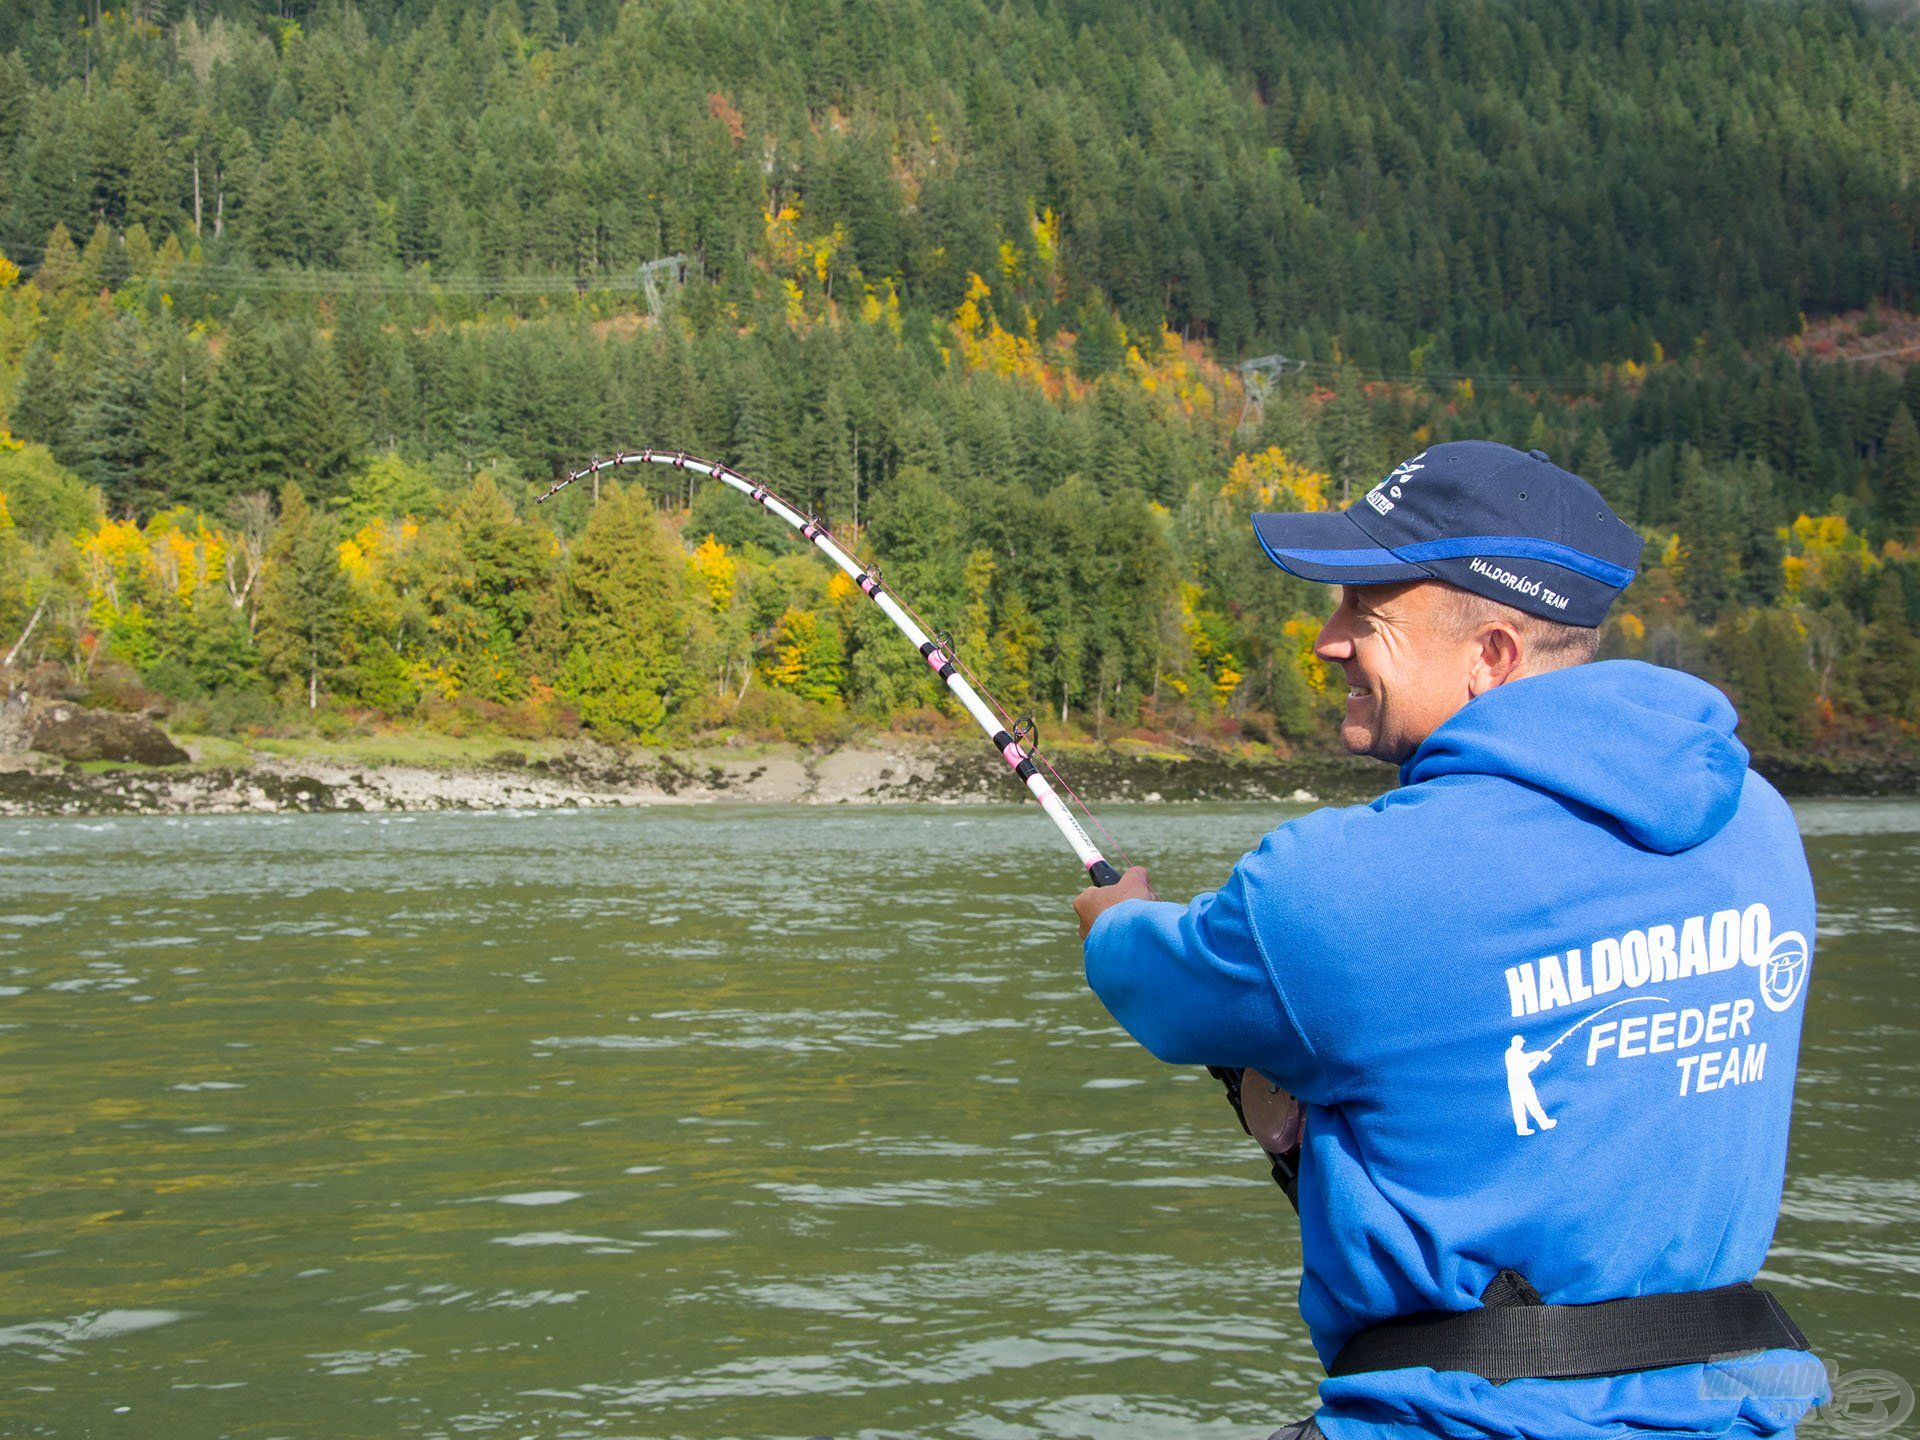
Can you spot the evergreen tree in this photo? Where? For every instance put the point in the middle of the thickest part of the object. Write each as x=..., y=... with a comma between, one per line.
x=246, y=435
x=174, y=418
x=109, y=444
x=42, y=407
x=1889, y=668
x=303, y=600
x=1713, y=519
x=1772, y=683
x=60, y=264
x=1351, y=443
x=621, y=608
x=1900, y=472
x=482, y=582
x=322, y=433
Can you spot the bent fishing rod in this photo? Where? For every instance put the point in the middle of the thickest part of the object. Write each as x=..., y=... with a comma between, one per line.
x=935, y=649
x=1006, y=735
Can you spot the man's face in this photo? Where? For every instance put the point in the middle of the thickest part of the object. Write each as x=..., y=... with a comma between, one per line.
x=1407, y=664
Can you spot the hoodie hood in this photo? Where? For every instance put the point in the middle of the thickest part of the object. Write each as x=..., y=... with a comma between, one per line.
x=1651, y=749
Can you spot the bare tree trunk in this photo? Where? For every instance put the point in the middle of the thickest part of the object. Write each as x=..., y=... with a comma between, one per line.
x=196, y=192
x=219, y=202
x=25, y=635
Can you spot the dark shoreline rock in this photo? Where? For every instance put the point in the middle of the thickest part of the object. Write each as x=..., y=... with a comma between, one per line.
x=70, y=732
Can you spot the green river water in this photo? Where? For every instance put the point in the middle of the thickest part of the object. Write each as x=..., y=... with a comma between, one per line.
x=754, y=1122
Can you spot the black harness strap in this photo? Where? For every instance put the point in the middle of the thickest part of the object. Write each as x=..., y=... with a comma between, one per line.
x=1516, y=1341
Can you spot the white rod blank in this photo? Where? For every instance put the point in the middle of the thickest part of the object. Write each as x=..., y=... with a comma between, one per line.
x=941, y=662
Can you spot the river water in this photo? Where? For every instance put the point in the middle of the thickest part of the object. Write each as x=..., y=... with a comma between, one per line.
x=713, y=1123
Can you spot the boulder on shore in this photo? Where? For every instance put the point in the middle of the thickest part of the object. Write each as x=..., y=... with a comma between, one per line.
x=72, y=733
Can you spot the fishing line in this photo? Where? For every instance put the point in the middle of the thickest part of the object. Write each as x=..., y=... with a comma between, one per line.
x=1631, y=999
x=936, y=649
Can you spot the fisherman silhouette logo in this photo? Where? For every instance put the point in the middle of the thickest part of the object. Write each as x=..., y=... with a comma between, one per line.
x=1783, y=973
x=1521, y=1063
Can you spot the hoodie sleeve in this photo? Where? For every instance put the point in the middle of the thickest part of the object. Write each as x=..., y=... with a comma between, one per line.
x=1194, y=984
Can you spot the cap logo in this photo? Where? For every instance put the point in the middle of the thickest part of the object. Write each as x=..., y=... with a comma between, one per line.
x=1518, y=583
x=1391, y=485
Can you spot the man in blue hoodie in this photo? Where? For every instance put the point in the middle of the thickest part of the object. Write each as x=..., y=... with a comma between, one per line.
x=1540, y=1004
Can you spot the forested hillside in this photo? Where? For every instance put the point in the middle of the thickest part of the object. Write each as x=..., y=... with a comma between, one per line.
x=303, y=304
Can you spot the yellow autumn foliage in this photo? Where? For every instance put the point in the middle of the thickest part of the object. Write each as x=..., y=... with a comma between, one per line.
x=1046, y=238
x=368, y=554
x=131, y=571
x=1821, y=552
x=787, y=666
x=1309, y=667
x=1219, y=666
x=781, y=234
x=714, y=567
x=882, y=309
x=986, y=345
x=1275, y=482
x=1166, y=366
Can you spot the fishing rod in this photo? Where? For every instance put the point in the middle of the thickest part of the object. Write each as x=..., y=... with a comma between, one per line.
x=1589, y=1019
x=935, y=649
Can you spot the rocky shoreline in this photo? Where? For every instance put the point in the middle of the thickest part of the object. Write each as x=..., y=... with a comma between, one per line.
x=595, y=776
x=72, y=766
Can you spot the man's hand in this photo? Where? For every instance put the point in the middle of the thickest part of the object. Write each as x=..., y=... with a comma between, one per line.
x=1093, y=902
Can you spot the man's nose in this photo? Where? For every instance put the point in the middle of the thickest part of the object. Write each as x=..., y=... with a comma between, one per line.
x=1333, y=643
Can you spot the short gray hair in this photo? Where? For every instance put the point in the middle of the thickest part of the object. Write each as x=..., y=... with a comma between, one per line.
x=1550, y=644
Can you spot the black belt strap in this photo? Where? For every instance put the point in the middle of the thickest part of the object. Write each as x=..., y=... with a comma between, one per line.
x=1574, y=1342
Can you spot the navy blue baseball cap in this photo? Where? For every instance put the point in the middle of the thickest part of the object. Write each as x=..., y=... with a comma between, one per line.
x=1507, y=524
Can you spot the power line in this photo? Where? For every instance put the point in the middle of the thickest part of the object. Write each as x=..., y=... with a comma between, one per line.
x=643, y=279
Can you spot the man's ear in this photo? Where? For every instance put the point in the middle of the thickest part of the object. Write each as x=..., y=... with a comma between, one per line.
x=1498, y=653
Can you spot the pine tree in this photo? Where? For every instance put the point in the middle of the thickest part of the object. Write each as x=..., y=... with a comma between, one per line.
x=303, y=599
x=173, y=417
x=1352, y=441
x=1708, y=520
x=60, y=264
x=1889, y=665
x=246, y=434
x=1772, y=682
x=1900, y=472
x=42, y=406
x=498, y=564
x=621, y=607
x=323, y=434
x=109, y=446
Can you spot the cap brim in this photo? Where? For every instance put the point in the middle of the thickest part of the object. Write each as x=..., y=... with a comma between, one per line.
x=1326, y=546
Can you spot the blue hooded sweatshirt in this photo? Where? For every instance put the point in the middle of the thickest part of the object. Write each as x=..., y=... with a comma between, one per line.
x=1542, y=1004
